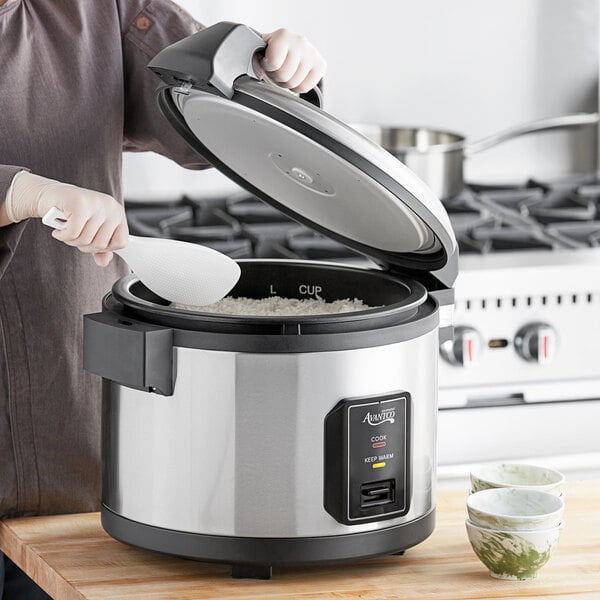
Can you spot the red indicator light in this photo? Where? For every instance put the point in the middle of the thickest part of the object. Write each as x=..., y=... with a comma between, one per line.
x=545, y=344
x=470, y=350
x=379, y=445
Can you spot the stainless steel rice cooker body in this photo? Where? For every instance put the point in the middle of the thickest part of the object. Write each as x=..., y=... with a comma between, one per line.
x=281, y=440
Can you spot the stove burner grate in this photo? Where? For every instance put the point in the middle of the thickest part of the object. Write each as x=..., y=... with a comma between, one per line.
x=486, y=219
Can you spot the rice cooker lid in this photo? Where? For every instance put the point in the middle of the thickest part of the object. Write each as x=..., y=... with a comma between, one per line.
x=298, y=158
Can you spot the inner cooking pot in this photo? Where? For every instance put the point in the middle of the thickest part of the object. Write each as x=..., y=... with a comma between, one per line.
x=392, y=300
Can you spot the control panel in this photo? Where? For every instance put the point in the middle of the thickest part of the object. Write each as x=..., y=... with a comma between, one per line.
x=367, y=458
x=534, y=343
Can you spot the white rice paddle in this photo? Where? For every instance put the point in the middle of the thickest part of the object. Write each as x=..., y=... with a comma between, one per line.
x=177, y=271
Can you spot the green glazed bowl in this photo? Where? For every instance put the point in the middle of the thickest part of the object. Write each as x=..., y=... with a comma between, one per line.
x=515, y=509
x=517, y=475
x=513, y=554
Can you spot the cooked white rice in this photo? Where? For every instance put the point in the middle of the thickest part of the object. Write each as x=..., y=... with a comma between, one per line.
x=277, y=306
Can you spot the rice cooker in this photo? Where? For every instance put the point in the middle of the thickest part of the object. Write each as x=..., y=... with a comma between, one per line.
x=270, y=440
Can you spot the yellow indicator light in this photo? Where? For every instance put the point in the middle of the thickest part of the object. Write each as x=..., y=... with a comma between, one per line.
x=378, y=465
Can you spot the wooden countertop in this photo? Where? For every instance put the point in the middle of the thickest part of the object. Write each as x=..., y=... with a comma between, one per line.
x=72, y=558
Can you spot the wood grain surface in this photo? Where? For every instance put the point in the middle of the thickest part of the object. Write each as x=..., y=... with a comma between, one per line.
x=72, y=558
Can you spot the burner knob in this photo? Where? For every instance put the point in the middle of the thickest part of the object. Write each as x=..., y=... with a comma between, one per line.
x=536, y=342
x=464, y=350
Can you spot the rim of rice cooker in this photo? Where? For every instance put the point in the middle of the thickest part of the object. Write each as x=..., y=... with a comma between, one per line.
x=124, y=292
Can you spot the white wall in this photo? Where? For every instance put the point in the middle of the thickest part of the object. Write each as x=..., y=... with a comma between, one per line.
x=471, y=66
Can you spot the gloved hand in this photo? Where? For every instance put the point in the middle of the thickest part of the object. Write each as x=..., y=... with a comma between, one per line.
x=96, y=222
x=292, y=61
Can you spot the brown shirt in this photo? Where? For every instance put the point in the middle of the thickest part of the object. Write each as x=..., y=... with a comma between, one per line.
x=74, y=91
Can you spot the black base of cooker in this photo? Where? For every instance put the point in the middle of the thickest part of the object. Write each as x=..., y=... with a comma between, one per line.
x=254, y=557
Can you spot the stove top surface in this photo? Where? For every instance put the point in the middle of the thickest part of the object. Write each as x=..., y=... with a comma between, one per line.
x=486, y=219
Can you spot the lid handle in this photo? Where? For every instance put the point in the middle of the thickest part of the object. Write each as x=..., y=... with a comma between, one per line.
x=212, y=59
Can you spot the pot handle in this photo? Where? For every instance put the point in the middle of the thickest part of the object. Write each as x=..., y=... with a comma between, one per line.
x=563, y=122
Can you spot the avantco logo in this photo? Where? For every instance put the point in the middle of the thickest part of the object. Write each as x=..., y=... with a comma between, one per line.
x=387, y=415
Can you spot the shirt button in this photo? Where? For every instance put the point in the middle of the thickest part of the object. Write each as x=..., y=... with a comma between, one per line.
x=143, y=23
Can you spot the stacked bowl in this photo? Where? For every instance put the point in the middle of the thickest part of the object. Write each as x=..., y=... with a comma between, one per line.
x=516, y=475
x=515, y=517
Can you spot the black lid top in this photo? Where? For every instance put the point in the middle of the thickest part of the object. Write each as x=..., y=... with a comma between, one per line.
x=302, y=160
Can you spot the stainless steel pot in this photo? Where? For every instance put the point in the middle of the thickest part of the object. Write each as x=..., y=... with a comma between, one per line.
x=438, y=156
x=223, y=435
x=280, y=440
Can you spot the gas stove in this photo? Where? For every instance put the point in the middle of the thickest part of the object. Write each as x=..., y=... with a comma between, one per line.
x=527, y=310
x=527, y=296
x=486, y=220
x=521, y=379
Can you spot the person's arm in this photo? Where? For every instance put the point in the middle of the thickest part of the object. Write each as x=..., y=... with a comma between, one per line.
x=148, y=26
x=96, y=222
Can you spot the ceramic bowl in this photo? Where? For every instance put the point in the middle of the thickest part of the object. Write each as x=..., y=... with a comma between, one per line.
x=516, y=475
x=515, y=509
x=513, y=554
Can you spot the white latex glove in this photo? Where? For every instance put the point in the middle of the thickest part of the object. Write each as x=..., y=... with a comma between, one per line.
x=292, y=61
x=96, y=222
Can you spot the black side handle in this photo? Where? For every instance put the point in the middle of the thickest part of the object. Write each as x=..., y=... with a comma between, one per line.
x=131, y=353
